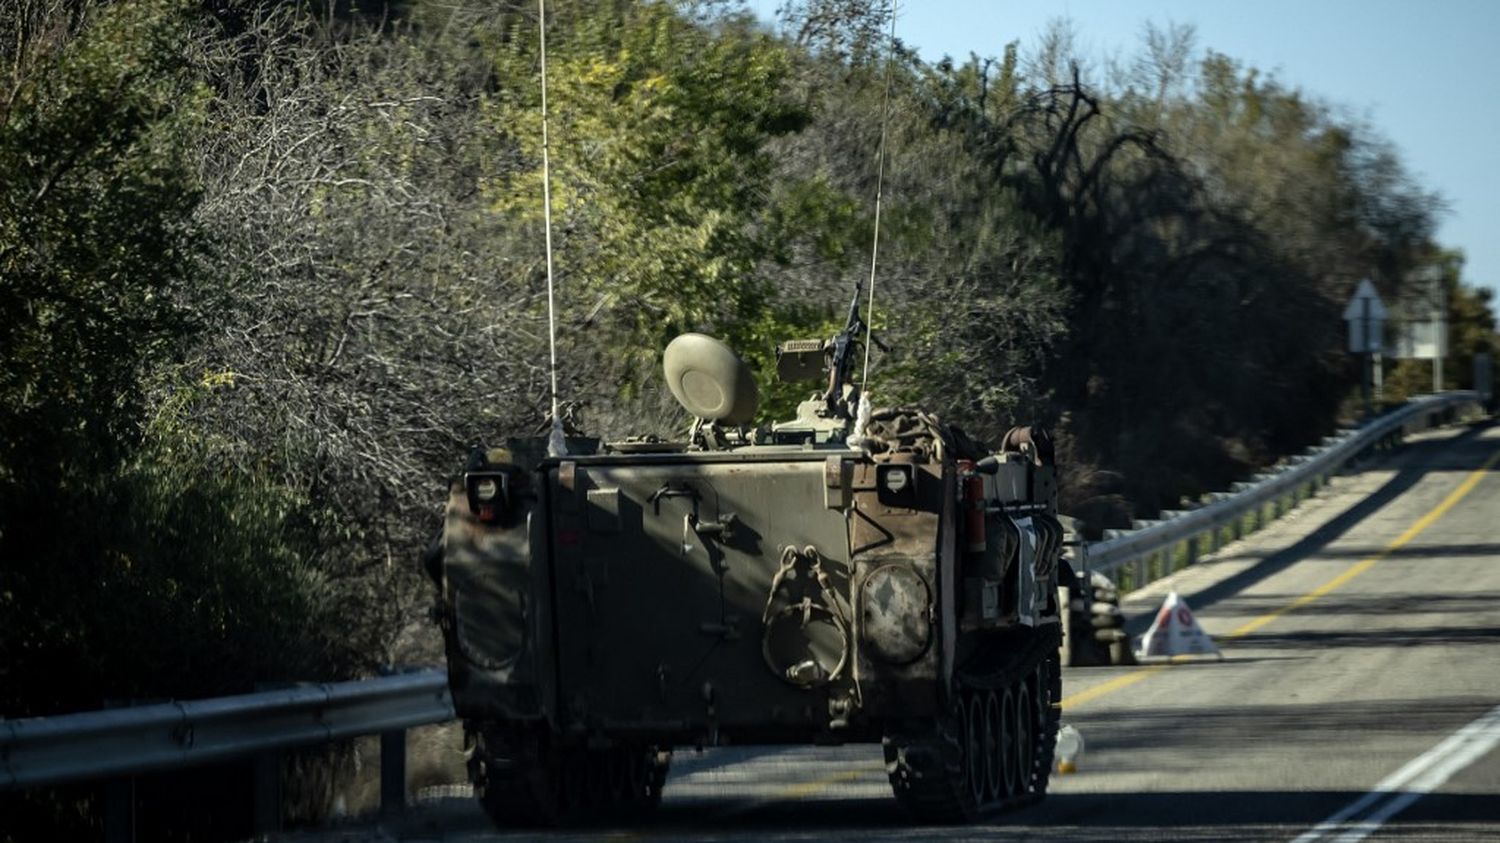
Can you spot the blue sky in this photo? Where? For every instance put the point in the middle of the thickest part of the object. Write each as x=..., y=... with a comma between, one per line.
x=1426, y=75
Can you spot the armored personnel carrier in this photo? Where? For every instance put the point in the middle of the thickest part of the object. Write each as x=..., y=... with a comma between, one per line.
x=790, y=583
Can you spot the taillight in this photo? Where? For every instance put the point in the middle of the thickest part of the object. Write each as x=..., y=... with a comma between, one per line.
x=489, y=494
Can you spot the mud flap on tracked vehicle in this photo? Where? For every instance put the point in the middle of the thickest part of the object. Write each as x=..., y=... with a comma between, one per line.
x=903, y=620
x=1041, y=538
x=1026, y=558
x=491, y=574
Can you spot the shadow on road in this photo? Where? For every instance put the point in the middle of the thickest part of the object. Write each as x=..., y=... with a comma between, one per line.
x=688, y=762
x=1415, y=550
x=1178, y=816
x=1396, y=636
x=1135, y=738
x=1236, y=815
x=1173, y=815
x=1470, y=604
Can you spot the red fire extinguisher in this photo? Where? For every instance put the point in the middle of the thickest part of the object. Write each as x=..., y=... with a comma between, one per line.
x=973, y=506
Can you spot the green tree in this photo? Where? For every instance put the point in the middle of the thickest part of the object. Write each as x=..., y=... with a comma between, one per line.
x=133, y=565
x=96, y=241
x=660, y=173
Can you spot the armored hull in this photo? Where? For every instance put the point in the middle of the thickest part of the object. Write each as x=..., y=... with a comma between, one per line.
x=605, y=607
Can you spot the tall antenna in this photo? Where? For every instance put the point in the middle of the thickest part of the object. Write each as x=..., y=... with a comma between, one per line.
x=862, y=415
x=556, y=442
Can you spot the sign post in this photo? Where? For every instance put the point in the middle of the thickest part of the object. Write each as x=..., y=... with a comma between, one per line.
x=1440, y=321
x=1484, y=378
x=1366, y=316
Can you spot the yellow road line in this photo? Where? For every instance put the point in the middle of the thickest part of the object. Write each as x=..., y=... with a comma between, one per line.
x=806, y=789
x=1464, y=488
x=1115, y=684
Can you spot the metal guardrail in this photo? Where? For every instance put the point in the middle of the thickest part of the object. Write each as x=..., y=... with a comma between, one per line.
x=1127, y=552
x=127, y=741
x=120, y=741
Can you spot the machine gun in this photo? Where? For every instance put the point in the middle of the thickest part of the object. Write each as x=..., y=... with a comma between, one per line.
x=799, y=360
x=842, y=358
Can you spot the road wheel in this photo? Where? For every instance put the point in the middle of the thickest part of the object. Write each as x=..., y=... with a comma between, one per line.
x=619, y=774
x=993, y=764
x=974, y=746
x=1010, y=732
x=596, y=777
x=1026, y=739
x=575, y=785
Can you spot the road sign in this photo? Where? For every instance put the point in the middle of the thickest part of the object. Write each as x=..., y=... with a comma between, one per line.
x=1366, y=316
x=1422, y=318
x=1420, y=340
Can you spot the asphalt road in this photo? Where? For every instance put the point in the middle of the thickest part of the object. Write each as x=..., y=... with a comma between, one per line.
x=1359, y=695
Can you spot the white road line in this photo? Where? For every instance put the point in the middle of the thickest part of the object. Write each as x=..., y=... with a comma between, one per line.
x=1420, y=776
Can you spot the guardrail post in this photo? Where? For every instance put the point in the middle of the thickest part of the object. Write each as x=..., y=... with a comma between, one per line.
x=267, y=792
x=119, y=797
x=266, y=798
x=119, y=810
x=393, y=772
x=1192, y=552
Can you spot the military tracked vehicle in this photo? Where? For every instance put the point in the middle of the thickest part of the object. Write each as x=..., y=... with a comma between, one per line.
x=783, y=584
